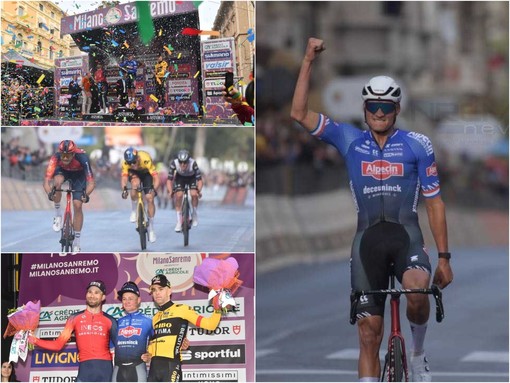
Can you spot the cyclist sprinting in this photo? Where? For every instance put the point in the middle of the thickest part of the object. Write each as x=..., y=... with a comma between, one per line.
x=387, y=168
x=170, y=325
x=138, y=167
x=95, y=332
x=184, y=170
x=73, y=164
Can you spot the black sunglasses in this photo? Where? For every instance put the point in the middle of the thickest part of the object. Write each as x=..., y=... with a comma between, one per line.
x=386, y=107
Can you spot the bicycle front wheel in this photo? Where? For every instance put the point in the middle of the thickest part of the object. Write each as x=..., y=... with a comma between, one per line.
x=396, y=363
x=142, y=229
x=66, y=238
x=185, y=222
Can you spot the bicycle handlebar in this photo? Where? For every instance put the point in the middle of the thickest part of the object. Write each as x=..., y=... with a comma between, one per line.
x=434, y=291
x=142, y=188
x=68, y=190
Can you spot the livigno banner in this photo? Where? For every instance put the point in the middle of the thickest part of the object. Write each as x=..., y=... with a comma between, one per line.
x=59, y=281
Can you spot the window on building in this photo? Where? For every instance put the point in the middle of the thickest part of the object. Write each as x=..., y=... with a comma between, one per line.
x=60, y=53
x=52, y=31
x=19, y=41
x=39, y=47
x=52, y=15
x=51, y=54
x=41, y=7
x=21, y=11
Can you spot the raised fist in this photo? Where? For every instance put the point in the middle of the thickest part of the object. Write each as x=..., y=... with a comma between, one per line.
x=314, y=48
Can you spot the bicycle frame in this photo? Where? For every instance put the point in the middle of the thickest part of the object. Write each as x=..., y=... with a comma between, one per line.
x=186, y=215
x=392, y=359
x=67, y=230
x=142, y=219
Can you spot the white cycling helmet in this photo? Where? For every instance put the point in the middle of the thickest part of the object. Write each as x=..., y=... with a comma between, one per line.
x=382, y=88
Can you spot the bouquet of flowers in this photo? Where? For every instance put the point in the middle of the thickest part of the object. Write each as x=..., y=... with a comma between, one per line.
x=22, y=322
x=221, y=277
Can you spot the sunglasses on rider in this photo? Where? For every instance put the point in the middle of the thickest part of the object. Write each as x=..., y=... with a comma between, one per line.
x=386, y=107
x=66, y=156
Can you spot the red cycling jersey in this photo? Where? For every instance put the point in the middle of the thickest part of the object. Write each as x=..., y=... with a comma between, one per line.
x=93, y=334
x=80, y=162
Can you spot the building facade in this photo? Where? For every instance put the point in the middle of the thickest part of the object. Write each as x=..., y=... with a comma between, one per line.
x=236, y=19
x=32, y=29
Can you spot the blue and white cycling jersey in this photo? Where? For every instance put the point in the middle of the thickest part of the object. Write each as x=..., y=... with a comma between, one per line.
x=134, y=331
x=385, y=183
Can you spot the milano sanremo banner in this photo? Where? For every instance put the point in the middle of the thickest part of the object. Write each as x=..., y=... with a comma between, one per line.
x=59, y=281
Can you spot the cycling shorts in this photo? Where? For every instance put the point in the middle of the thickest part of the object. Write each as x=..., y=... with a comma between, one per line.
x=373, y=250
x=95, y=370
x=77, y=181
x=145, y=177
x=164, y=370
x=130, y=81
x=130, y=373
x=180, y=181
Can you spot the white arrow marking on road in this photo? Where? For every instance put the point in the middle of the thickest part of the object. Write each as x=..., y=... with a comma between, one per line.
x=486, y=356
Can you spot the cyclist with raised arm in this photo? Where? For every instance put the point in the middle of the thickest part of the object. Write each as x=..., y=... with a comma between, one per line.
x=388, y=168
x=184, y=170
x=170, y=325
x=138, y=167
x=72, y=164
x=95, y=332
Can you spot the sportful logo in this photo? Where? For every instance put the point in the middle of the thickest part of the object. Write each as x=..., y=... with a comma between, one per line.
x=130, y=331
x=382, y=170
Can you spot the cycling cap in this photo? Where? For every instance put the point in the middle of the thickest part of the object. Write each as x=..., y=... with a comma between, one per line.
x=99, y=284
x=130, y=155
x=382, y=88
x=161, y=280
x=128, y=287
x=183, y=155
x=67, y=146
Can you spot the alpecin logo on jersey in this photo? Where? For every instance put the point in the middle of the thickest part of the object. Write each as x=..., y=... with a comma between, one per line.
x=129, y=331
x=381, y=169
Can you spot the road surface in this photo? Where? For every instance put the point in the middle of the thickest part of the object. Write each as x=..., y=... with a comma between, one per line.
x=221, y=229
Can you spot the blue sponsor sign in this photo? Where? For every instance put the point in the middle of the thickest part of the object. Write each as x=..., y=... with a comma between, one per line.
x=66, y=358
x=217, y=55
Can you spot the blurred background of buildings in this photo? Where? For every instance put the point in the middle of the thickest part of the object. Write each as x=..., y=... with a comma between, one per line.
x=451, y=59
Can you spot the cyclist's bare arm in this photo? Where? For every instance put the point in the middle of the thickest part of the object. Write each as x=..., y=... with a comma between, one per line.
x=155, y=181
x=299, y=111
x=123, y=181
x=437, y=220
x=91, y=184
x=46, y=185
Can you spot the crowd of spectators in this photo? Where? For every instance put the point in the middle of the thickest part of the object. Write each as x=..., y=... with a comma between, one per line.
x=23, y=100
x=19, y=161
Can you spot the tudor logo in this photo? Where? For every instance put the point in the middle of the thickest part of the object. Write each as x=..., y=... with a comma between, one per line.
x=381, y=169
x=432, y=170
x=236, y=329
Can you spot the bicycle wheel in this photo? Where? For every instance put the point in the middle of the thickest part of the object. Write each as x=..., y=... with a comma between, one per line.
x=185, y=222
x=142, y=229
x=396, y=362
x=66, y=238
